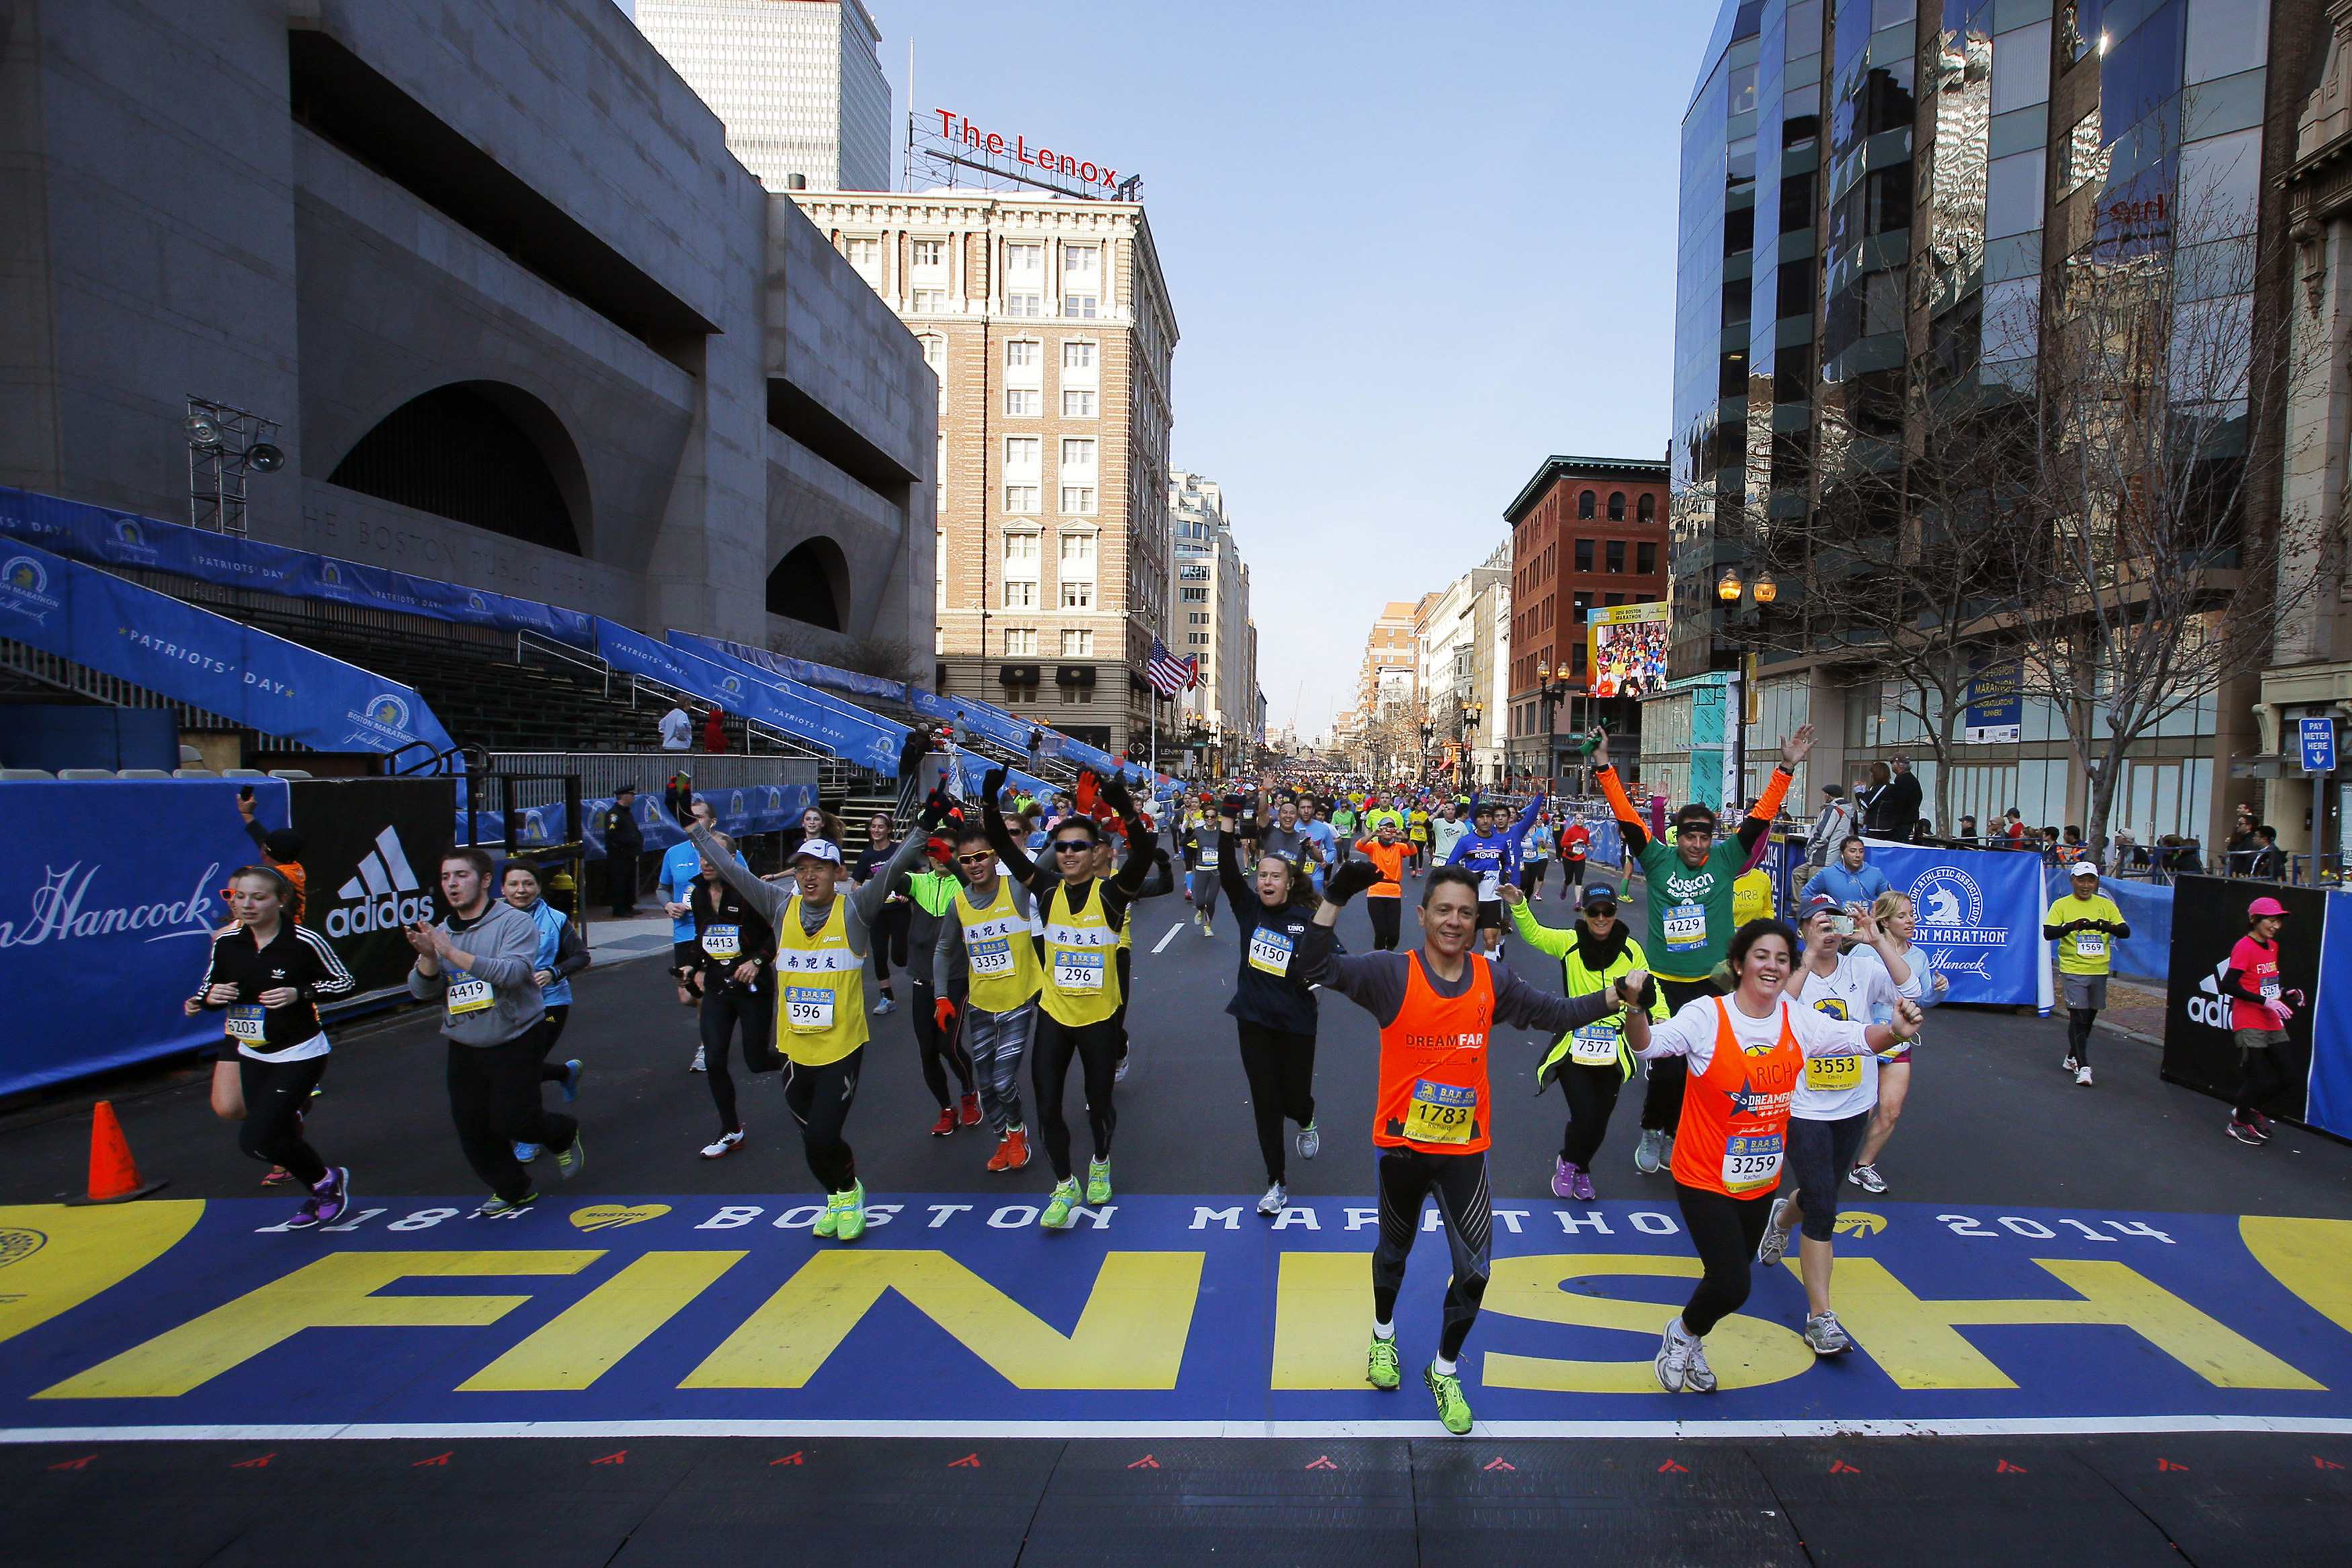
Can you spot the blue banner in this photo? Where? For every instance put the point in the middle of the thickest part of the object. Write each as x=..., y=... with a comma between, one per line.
x=2327, y=1102
x=89, y=533
x=805, y=671
x=195, y=657
x=849, y=733
x=1995, y=710
x=753, y=809
x=1979, y=919
x=110, y=889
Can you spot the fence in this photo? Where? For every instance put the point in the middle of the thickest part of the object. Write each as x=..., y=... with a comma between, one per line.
x=602, y=772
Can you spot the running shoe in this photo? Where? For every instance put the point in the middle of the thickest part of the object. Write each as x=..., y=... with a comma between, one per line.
x=888, y=1004
x=699, y=1065
x=1825, y=1335
x=1208, y=928
x=1867, y=1179
x=1774, y=1246
x=2262, y=1124
x=2245, y=1132
x=1310, y=1142
x=945, y=1124
x=2069, y=1064
x=526, y=1152
x=571, y=1072
x=571, y=1159
x=1672, y=1362
x=1277, y=1200
x=1057, y=1209
x=1118, y=1073
x=1563, y=1178
x=1097, y=1182
x=726, y=1144
x=331, y=1198
x=1017, y=1152
x=828, y=1219
x=305, y=1217
x=1584, y=1193
x=494, y=1205
x=996, y=1161
x=2083, y=1076
x=970, y=1117
x=1700, y=1378
x=1453, y=1410
x=1650, y=1153
x=277, y=1176
x=1380, y=1364
x=851, y=1224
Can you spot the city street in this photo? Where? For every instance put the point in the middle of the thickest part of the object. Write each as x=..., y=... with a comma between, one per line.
x=2086, y=1308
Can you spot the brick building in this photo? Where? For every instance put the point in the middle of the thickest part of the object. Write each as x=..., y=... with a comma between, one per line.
x=1585, y=532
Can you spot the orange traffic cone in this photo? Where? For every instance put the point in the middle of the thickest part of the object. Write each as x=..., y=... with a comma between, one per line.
x=113, y=1173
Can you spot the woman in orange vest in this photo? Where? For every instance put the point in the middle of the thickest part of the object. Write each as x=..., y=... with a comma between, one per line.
x=1437, y=1009
x=1745, y=1053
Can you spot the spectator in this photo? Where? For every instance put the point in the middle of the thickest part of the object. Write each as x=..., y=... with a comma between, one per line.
x=1869, y=799
x=1899, y=806
x=2186, y=859
x=2070, y=846
x=1923, y=831
x=2238, y=854
x=1851, y=879
x=282, y=847
x=714, y=730
x=1966, y=836
x=1036, y=744
x=2268, y=862
x=677, y=730
x=625, y=842
x=2013, y=829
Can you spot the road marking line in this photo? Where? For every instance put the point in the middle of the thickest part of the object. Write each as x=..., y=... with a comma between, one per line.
x=1171, y=936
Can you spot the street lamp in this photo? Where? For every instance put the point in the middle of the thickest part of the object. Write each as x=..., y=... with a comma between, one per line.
x=1553, y=687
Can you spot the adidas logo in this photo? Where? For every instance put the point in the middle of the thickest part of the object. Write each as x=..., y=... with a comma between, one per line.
x=383, y=896
x=2207, y=1005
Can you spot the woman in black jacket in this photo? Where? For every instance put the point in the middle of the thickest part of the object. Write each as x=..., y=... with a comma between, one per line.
x=266, y=974
x=1273, y=1010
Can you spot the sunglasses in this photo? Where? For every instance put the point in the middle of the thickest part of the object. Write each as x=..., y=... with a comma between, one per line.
x=981, y=858
x=1073, y=847
x=1608, y=909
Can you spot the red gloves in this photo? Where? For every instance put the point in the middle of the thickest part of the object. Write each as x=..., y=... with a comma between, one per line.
x=943, y=1013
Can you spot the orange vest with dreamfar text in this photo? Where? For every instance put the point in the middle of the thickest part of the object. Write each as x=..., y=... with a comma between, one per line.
x=1432, y=1093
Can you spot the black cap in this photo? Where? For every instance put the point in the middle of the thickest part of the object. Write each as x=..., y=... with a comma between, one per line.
x=283, y=845
x=1597, y=892
x=621, y=789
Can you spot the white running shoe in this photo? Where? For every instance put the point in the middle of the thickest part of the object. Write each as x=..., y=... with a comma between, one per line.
x=1207, y=929
x=1700, y=1378
x=1674, y=1358
x=1277, y=1200
x=2070, y=1064
x=1867, y=1179
x=1826, y=1334
x=1650, y=1153
x=1775, y=1244
x=2083, y=1076
x=727, y=1144
x=1310, y=1142
x=699, y=1065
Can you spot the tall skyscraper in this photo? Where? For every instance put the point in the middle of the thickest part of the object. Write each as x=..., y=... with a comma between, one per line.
x=1209, y=612
x=798, y=84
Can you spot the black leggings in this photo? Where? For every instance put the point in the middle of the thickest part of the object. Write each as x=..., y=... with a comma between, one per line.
x=2259, y=1078
x=277, y=1095
x=550, y=1030
x=1464, y=1209
x=1725, y=1231
x=819, y=1099
x=1571, y=875
x=1280, y=1067
x=1125, y=962
x=1095, y=1046
x=494, y=1101
x=1592, y=1094
x=2078, y=1034
x=1388, y=917
x=1662, y=1103
x=1532, y=876
x=724, y=1005
x=935, y=1047
x=888, y=934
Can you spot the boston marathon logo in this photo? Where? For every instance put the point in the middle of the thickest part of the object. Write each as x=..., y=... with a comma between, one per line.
x=1951, y=915
x=383, y=896
x=384, y=720
x=25, y=588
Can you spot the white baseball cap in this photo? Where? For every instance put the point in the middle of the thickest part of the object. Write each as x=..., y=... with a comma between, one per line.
x=818, y=849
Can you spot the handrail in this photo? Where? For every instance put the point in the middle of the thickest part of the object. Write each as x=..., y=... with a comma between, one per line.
x=437, y=760
x=528, y=642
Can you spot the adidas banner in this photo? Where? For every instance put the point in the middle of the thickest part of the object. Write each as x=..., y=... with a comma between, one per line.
x=2208, y=916
x=110, y=891
x=370, y=859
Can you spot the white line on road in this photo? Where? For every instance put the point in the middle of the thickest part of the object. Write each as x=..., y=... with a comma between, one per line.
x=1162, y=947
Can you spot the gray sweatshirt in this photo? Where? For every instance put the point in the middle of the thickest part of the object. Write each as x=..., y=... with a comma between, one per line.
x=949, y=976
x=772, y=898
x=503, y=945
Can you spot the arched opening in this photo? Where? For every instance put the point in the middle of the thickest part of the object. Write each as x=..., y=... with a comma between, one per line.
x=1584, y=504
x=1616, y=505
x=1649, y=509
x=482, y=453
x=812, y=584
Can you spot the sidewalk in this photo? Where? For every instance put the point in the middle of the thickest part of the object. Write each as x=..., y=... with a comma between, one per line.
x=2135, y=1009
x=612, y=941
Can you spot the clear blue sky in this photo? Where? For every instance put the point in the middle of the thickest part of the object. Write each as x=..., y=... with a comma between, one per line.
x=1412, y=249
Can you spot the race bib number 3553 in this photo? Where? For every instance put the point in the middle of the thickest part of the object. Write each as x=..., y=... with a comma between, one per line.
x=1832, y=1074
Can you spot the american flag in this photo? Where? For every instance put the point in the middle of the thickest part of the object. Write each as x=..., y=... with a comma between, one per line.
x=1169, y=674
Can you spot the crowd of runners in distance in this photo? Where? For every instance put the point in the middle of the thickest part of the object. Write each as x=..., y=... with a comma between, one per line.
x=1777, y=1057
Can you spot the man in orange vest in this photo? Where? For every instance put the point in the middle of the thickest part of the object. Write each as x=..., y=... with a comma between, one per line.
x=1437, y=1008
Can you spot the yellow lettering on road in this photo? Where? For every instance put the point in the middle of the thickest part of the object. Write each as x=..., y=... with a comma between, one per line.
x=54, y=1257
x=1131, y=1335
x=1322, y=1316
x=336, y=1291
x=587, y=1339
x=1745, y=1352
x=2313, y=1258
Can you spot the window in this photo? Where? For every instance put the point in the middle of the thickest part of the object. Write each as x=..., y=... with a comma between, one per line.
x=1020, y=639
x=1584, y=504
x=1077, y=595
x=1613, y=599
x=1616, y=505
x=1077, y=644
x=1648, y=511
x=1020, y=354
x=1072, y=696
x=1198, y=638
x=1616, y=555
x=929, y=302
x=930, y=253
x=1078, y=356
x=1645, y=557
x=1078, y=451
x=864, y=255
x=1576, y=658
x=1584, y=555
x=1078, y=500
x=1080, y=262
x=1021, y=498
x=1026, y=261
x=1196, y=618
x=1077, y=402
x=1078, y=552
x=1021, y=553
x=1023, y=453
x=1583, y=602
x=1194, y=595
x=1080, y=306
x=1024, y=305
x=1020, y=593
x=1021, y=401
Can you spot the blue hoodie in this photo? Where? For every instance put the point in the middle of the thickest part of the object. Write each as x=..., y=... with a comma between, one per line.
x=1494, y=856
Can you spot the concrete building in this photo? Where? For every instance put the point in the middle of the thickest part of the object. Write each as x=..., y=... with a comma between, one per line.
x=1387, y=696
x=797, y=83
x=522, y=319
x=1490, y=675
x=1456, y=703
x=1049, y=325
x=1209, y=609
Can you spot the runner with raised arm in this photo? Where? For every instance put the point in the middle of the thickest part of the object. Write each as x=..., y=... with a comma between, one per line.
x=1273, y=1010
x=990, y=942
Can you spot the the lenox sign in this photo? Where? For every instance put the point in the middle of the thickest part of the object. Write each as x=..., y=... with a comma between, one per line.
x=956, y=128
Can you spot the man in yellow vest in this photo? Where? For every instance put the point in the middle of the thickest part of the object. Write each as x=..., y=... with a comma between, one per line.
x=990, y=939
x=822, y=942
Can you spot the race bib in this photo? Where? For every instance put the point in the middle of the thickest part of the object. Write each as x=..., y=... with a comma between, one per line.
x=1440, y=1112
x=808, y=1008
x=992, y=957
x=1270, y=951
x=469, y=997
x=2090, y=944
x=1075, y=971
x=1686, y=927
x=1832, y=1074
x=1490, y=887
x=1752, y=1160
x=2270, y=989
x=1594, y=1045
x=722, y=941
x=244, y=1023
x=1208, y=861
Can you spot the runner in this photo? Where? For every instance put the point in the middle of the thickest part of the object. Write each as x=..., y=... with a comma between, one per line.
x=1202, y=857
x=1343, y=817
x=889, y=932
x=736, y=946
x=991, y=946
x=679, y=864
x=1830, y=1115
x=1592, y=1063
x=928, y=889
x=1535, y=857
x=2259, y=1013
x=1445, y=833
x=1322, y=835
x=1081, y=992
x=1273, y=1008
x=1491, y=853
x=822, y=944
x=2085, y=924
x=1690, y=886
x=1384, y=900
x=562, y=955
x=1575, y=845
x=1416, y=834
x=1745, y=1052
x=477, y=963
x=1899, y=920
x=1158, y=881
x=268, y=974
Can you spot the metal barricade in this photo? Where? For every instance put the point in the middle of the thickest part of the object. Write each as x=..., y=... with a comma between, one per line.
x=602, y=772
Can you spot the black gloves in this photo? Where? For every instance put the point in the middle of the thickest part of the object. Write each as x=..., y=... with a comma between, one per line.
x=1350, y=880
x=1114, y=793
x=937, y=808
x=993, y=784
x=1235, y=806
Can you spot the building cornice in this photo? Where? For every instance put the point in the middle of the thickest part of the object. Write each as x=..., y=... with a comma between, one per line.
x=1634, y=469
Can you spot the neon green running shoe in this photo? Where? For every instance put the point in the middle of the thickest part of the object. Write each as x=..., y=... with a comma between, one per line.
x=1057, y=1211
x=852, y=1223
x=1380, y=1364
x=830, y=1220
x=1452, y=1408
x=1097, y=1182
